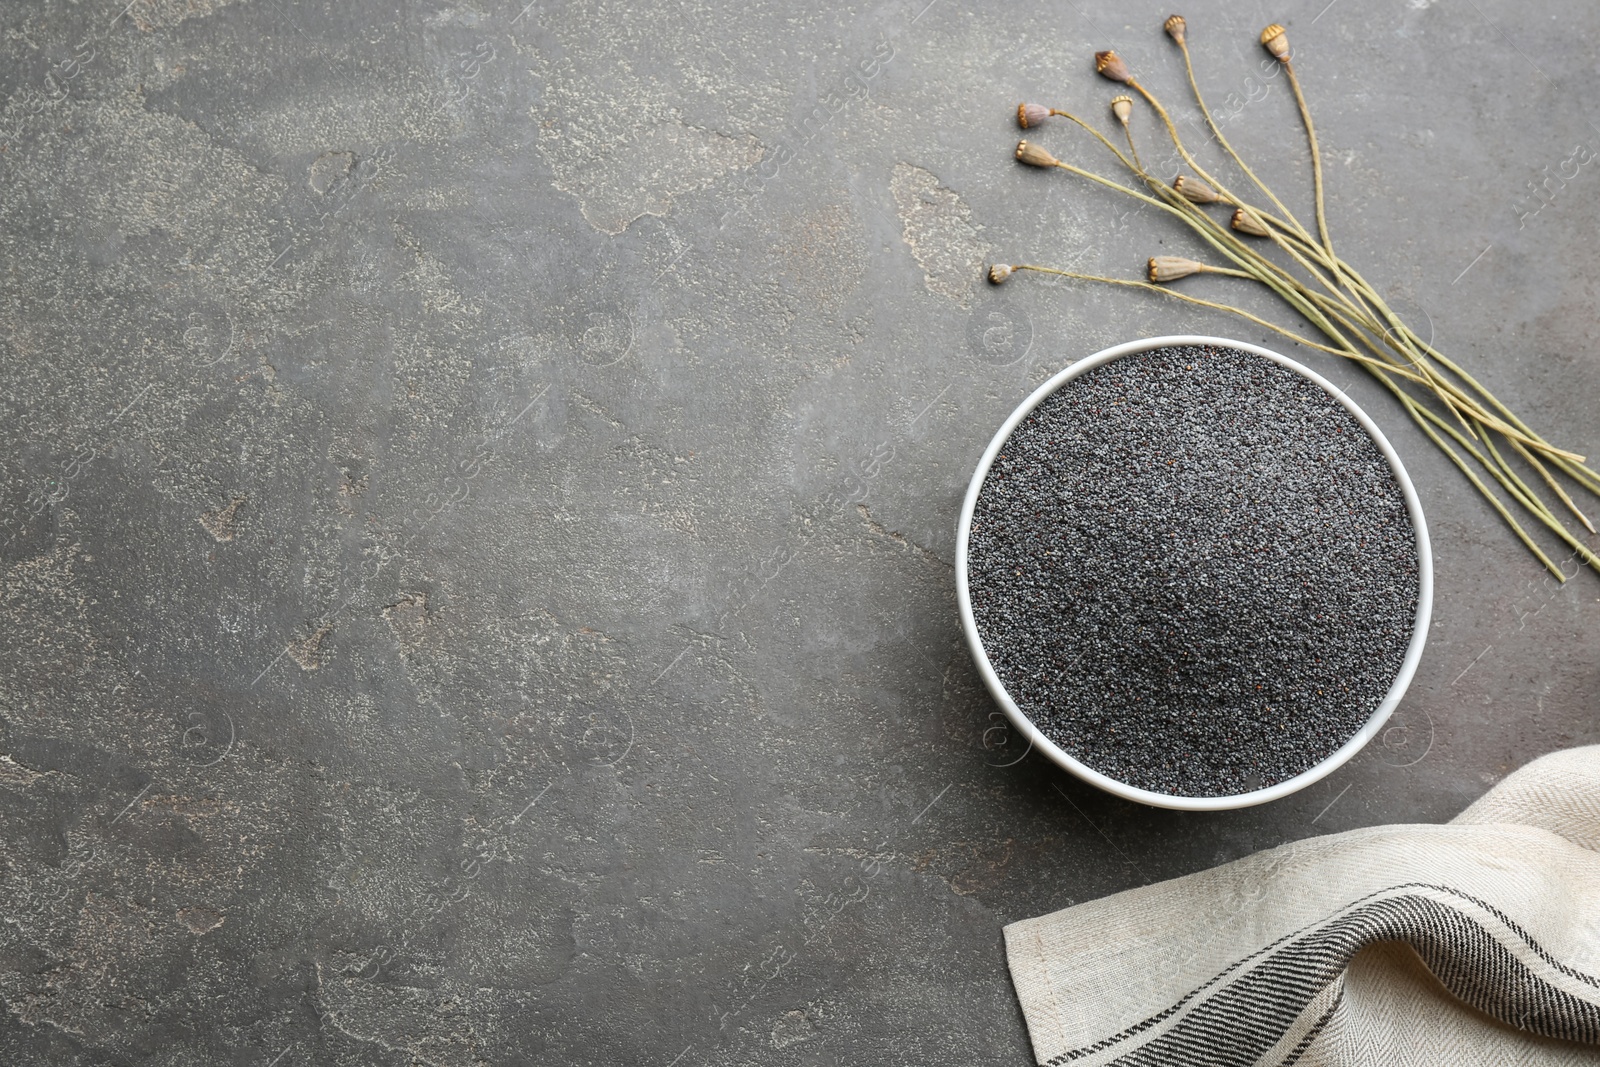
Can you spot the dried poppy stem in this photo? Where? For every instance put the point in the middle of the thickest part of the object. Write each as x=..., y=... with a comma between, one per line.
x=1512, y=481
x=1448, y=395
x=1291, y=290
x=1518, y=490
x=1171, y=268
x=1218, y=237
x=1010, y=269
x=1587, y=477
x=1109, y=65
x=1362, y=325
x=1181, y=37
x=1277, y=43
x=1510, y=520
x=1579, y=473
x=1382, y=370
x=1555, y=486
x=1341, y=304
x=1570, y=464
x=1472, y=419
x=1261, y=269
x=1122, y=108
x=1183, y=208
x=1422, y=416
x=1451, y=395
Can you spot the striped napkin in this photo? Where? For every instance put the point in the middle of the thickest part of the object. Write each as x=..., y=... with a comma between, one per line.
x=1475, y=942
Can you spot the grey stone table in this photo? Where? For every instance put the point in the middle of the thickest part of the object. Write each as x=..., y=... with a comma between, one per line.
x=480, y=485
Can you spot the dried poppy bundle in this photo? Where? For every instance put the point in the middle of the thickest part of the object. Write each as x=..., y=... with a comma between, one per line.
x=1473, y=428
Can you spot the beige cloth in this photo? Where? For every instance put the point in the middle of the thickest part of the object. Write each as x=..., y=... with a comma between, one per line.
x=1472, y=943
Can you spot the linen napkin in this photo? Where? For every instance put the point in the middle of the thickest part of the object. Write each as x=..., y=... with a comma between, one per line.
x=1474, y=942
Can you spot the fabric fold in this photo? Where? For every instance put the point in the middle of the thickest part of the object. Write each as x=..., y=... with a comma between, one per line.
x=1477, y=941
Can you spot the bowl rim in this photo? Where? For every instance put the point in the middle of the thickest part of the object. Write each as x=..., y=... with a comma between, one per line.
x=1391, y=699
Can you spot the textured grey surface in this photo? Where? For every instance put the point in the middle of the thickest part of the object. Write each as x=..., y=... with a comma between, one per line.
x=479, y=488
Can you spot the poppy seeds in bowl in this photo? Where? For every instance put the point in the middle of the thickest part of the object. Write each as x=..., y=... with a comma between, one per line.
x=1193, y=570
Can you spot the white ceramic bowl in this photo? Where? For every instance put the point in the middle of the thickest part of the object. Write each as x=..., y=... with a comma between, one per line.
x=1419, y=631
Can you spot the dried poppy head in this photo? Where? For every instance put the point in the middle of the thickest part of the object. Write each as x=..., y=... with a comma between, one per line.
x=1171, y=268
x=1000, y=272
x=1194, y=190
x=1247, y=223
x=1175, y=27
x=1031, y=115
x=1122, y=107
x=1110, y=65
x=1034, y=156
x=1275, y=39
